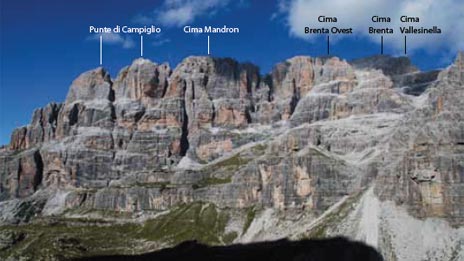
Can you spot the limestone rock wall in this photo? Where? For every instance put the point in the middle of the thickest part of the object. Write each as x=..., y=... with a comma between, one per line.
x=310, y=133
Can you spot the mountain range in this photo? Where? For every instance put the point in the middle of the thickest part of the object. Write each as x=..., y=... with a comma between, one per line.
x=214, y=151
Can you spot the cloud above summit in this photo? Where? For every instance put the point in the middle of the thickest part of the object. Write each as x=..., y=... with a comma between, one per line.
x=446, y=14
x=176, y=13
x=125, y=42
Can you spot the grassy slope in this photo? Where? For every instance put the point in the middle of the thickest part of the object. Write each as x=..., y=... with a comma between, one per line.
x=196, y=221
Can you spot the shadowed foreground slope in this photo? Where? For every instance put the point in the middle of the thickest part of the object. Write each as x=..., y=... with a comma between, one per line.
x=338, y=249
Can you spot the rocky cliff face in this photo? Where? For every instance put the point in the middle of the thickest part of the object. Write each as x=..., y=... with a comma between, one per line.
x=316, y=147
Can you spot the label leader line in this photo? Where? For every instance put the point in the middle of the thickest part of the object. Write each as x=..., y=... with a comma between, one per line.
x=405, y=45
x=141, y=45
x=208, y=46
x=381, y=44
x=101, y=49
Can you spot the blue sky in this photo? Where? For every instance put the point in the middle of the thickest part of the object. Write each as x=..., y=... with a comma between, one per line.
x=45, y=44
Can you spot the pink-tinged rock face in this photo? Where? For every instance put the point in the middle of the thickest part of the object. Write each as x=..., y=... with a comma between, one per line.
x=91, y=85
x=22, y=174
x=41, y=129
x=303, y=182
x=265, y=174
x=298, y=75
x=230, y=117
x=29, y=172
x=101, y=141
x=56, y=175
x=175, y=87
x=207, y=151
x=175, y=147
x=143, y=81
x=149, y=124
x=18, y=139
x=278, y=197
x=266, y=112
x=336, y=69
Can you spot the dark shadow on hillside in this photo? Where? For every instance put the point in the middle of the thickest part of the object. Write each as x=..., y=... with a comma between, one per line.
x=336, y=249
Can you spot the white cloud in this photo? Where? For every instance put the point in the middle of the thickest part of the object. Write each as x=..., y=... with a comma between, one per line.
x=446, y=14
x=178, y=16
x=160, y=42
x=142, y=19
x=176, y=13
x=114, y=39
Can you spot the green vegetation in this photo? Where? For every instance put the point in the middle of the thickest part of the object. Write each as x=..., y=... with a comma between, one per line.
x=160, y=185
x=234, y=162
x=251, y=213
x=202, y=222
x=259, y=149
x=334, y=218
x=89, y=237
x=153, y=184
x=100, y=234
x=211, y=181
x=47, y=242
x=28, y=209
x=229, y=237
x=317, y=152
x=100, y=213
x=229, y=165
